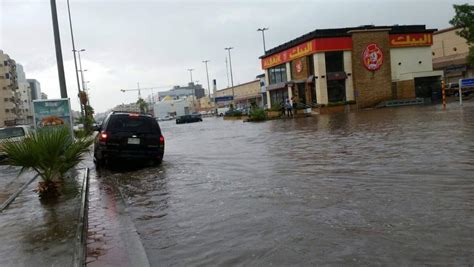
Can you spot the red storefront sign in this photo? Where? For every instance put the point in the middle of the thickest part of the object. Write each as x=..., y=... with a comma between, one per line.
x=411, y=39
x=372, y=57
x=308, y=48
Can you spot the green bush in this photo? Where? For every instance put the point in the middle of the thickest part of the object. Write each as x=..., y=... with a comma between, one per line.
x=258, y=114
x=233, y=113
x=50, y=152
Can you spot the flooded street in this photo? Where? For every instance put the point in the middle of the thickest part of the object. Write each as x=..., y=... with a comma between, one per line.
x=389, y=186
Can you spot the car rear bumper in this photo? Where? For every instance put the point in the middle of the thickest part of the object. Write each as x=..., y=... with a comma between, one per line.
x=131, y=154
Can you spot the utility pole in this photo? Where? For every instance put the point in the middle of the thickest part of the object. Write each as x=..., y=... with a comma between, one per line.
x=191, y=73
x=59, y=55
x=263, y=36
x=81, y=70
x=227, y=72
x=207, y=73
x=75, y=61
x=231, y=76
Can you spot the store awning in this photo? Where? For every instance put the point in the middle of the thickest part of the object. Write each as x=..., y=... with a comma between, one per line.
x=276, y=86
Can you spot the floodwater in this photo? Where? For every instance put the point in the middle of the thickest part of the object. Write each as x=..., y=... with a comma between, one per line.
x=389, y=186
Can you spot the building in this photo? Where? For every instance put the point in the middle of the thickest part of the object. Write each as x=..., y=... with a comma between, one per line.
x=44, y=96
x=450, y=53
x=25, y=105
x=244, y=95
x=179, y=92
x=171, y=107
x=367, y=64
x=8, y=91
x=35, y=87
x=132, y=107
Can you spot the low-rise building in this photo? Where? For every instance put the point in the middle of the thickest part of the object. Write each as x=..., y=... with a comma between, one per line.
x=35, y=87
x=367, y=64
x=450, y=53
x=243, y=95
x=169, y=107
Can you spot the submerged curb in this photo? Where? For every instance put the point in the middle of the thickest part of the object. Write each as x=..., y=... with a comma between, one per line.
x=81, y=232
x=12, y=197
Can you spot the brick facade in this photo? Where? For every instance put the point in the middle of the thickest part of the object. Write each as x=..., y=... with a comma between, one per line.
x=405, y=89
x=371, y=87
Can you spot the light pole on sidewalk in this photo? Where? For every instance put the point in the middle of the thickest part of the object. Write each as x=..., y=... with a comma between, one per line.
x=263, y=36
x=59, y=54
x=75, y=61
x=207, y=73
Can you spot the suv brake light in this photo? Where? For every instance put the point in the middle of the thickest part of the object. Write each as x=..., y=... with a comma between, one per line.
x=103, y=136
x=162, y=139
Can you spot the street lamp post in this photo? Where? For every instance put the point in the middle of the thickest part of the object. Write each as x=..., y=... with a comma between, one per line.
x=75, y=61
x=191, y=74
x=80, y=68
x=231, y=75
x=207, y=73
x=59, y=55
x=263, y=36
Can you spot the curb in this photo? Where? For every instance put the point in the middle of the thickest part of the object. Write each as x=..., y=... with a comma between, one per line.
x=139, y=256
x=12, y=197
x=81, y=232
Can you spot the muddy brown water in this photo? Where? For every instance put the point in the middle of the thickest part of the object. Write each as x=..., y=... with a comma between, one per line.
x=389, y=186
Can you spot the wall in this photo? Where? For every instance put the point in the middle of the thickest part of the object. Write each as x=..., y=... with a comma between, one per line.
x=405, y=89
x=444, y=44
x=371, y=87
x=319, y=60
x=407, y=60
x=241, y=91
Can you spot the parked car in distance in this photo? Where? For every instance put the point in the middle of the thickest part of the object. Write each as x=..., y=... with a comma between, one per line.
x=221, y=111
x=13, y=133
x=195, y=117
x=126, y=135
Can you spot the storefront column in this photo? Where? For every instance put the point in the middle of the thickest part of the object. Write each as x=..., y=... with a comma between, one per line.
x=267, y=93
x=349, y=81
x=290, y=94
x=319, y=60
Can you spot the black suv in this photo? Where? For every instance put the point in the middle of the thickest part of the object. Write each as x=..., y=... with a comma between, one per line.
x=125, y=135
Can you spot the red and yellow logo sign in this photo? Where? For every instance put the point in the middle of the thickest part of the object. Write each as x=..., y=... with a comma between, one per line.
x=372, y=57
x=412, y=39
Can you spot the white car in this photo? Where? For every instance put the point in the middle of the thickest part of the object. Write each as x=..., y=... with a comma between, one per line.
x=13, y=133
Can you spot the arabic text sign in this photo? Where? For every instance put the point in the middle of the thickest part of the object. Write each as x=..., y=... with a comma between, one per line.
x=307, y=48
x=467, y=83
x=52, y=113
x=412, y=39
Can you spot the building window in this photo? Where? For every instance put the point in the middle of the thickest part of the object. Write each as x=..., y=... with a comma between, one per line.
x=334, y=61
x=5, y=99
x=455, y=49
x=7, y=75
x=433, y=53
x=277, y=74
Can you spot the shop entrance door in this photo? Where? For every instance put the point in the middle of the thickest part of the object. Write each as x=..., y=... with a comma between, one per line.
x=301, y=92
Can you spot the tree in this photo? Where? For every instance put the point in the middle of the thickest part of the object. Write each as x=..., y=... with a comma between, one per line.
x=142, y=105
x=464, y=19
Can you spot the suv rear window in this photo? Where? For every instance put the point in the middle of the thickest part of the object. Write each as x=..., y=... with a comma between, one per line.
x=126, y=123
x=11, y=132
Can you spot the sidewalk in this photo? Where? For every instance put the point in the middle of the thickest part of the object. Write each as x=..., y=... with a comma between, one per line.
x=112, y=239
x=38, y=234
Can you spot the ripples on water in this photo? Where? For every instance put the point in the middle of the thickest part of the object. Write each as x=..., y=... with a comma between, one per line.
x=381, y=186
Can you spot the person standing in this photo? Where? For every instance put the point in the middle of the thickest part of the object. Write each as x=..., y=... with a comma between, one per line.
x=289, y=108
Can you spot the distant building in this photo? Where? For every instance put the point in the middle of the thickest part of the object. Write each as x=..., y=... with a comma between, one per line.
x=35, y=87
x=132, y=107
x=183, y=91
x=44, y=96
x=450, y=53
x=244, y=95
x=174, y=107
x=8, y=89
x=24, y=93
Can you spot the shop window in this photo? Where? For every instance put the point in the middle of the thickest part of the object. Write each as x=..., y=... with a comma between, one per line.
x=277, y=74
x=278, y=96
x=334, y=61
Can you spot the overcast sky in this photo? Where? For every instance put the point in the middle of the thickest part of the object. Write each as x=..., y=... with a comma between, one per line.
x=155, y=42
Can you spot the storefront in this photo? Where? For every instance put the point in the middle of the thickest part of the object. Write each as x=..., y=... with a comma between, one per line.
x=366, y=64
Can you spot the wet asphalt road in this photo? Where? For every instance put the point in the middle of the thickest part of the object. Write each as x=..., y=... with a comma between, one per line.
x=389, y=186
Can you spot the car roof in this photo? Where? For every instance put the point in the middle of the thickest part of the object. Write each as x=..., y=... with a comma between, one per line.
x=129, y=112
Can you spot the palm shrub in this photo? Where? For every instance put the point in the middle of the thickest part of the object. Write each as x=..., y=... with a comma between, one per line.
x=50, y=153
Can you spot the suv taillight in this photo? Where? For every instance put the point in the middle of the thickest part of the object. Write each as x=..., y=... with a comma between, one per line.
x=162, y=139
x=103, y=136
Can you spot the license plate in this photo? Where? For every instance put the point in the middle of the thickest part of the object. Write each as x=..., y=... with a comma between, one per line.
x=133, y=141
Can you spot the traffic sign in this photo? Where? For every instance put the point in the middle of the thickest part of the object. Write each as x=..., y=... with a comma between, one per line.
x=467, y=82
